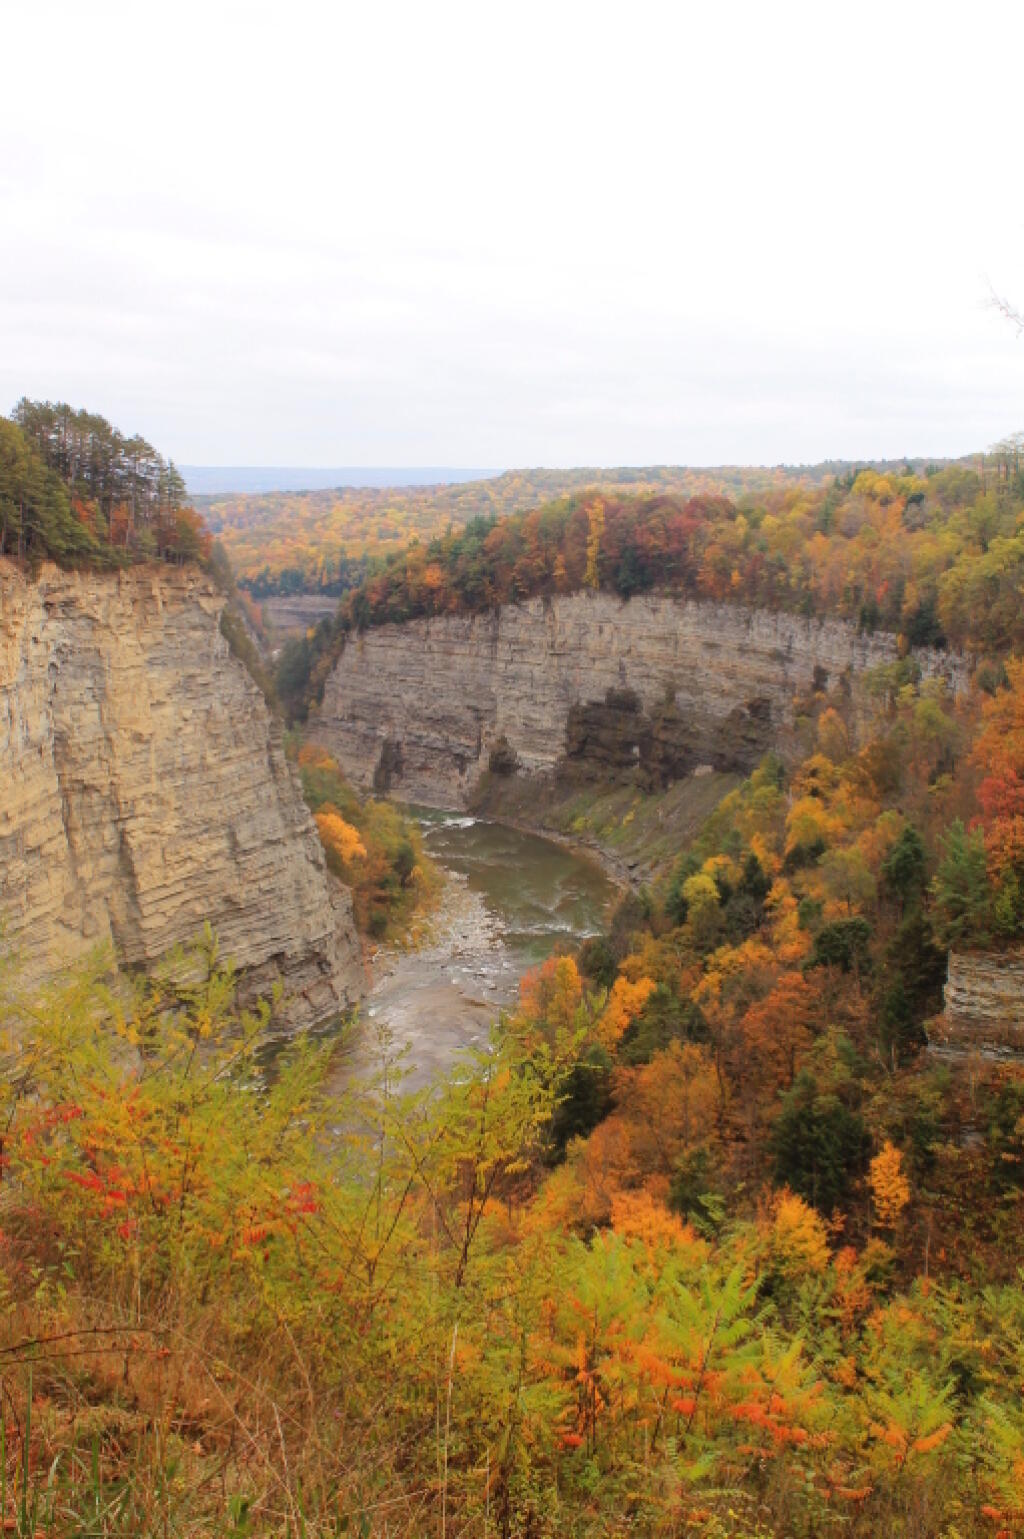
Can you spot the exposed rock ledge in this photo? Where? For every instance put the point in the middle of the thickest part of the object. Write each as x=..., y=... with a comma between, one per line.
x=650, y=688
x=984, y=1005
x=145, y=791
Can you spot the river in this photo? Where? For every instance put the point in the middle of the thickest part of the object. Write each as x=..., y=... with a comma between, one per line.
x=510, y=898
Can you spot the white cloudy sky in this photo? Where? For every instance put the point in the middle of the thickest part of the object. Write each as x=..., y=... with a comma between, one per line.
x=506, y=234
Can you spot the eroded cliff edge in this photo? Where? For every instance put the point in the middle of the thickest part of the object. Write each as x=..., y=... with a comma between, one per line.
x=146, y=791
x=651, y=687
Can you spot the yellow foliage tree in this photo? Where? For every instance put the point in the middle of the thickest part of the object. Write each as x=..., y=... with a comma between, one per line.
x=551, y=994
x=799, y=1239
x=668, y=1105
x=625, y=1002
x=338, y=836
x=595, y=529
x=833, y=737
x=890, y=1188
x=700, y=892
x=811, y=823
x=312, y=756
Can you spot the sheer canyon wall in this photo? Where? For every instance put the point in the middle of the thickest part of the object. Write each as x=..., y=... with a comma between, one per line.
x=145, y=791
x=650, y=688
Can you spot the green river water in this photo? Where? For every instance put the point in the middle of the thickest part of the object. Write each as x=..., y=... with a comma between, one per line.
x=510, y=900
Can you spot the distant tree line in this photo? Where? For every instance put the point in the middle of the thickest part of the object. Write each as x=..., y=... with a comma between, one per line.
x=273, y=538
x=336, y=577
x=74, y=489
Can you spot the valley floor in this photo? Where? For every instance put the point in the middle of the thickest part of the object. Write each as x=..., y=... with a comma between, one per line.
x=506, y=898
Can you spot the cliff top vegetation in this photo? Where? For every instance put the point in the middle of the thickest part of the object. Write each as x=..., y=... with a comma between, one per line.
x=75, y=490
x=937, y=557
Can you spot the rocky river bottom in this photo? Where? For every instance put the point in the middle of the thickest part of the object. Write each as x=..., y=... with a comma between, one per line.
x=510, y=898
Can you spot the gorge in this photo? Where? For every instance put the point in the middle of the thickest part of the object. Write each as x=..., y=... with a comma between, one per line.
x=148, y=792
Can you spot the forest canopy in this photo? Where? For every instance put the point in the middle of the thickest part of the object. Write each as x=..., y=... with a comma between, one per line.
x=702, y=1241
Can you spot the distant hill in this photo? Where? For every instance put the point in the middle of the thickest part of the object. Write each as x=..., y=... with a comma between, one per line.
x=217, y=480
x=320, y=540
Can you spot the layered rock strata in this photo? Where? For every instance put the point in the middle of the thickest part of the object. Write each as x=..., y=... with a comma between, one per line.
x=984, y=1005
x=146, y=792
x=648, y=689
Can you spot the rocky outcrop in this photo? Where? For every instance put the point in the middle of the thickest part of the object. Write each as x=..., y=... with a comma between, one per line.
x=145, y=791
x=984, y=1005
x=647, y=689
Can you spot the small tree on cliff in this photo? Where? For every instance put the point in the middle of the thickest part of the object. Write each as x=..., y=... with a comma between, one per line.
x=595, y=530
x=961, y=894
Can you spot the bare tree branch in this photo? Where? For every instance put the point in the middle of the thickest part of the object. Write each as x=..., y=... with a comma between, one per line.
x=1008, y=311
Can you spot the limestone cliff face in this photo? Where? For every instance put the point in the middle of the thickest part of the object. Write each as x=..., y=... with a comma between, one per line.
x=649, y=688
x=984, y=1005
x=145, y=791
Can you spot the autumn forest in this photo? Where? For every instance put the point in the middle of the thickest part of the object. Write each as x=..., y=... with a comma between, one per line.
x=716, y=1233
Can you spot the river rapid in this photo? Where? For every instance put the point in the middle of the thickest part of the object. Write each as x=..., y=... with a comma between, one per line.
x=509, y=900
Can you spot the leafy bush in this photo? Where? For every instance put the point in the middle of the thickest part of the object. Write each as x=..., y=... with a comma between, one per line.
x=371, y=846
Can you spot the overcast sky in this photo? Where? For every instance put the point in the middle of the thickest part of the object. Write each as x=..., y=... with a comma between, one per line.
x=515, y=234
